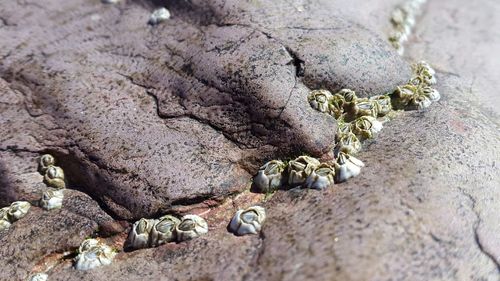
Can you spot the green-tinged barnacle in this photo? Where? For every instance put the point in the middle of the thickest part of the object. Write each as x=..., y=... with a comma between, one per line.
x=431, y=93
x=270, y=176
x=348, y=143
x=300, y=168
x=138, y=237
x=39, y=277
x=419, y=101
x=321, y=178
x=402, y=96
x=425, y=72
x=93, y=254
x=248, y=221
x=52, y=199
x=348, y=95
x=384, y=105
x=54, y=177
x=45, y=162
x=163, y=230
x=191, y=226
x=365, y=127
x=336, y=106
x=347, y=166
x=4, y=224
x=4, y=213
x=18, y=210
x=319, y=100
x=361, y=107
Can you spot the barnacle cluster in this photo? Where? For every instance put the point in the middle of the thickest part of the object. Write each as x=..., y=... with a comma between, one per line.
x=418, y=93
x=248, y=221
x=403, y=19
x=16, y=211
x=92, y=253
x=154, y=232
x=53, y=177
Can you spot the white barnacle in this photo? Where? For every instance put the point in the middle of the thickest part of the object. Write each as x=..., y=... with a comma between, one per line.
x=138, y=237
x=110, y=1
x=163, y=231
x=319, y=100
x=4, y=213
x=365, y=127
x=248, y=221
x=159, y=15
x=4, y=224
x=54, y=177
x=18, y=210
x=52, y=199
x=383, y=103
x=431, y=93
x=92, y=254
x=270, y=176
x=322, y=177
x=419, y=101
x=347, y=166
x=39, y=277
x=45, y=162
x=300, y=168
x=347, y=142
x=191, y=226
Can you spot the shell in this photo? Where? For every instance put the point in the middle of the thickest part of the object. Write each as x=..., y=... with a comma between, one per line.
x=93, y=254
x=348, y=95
x=45, y=162
x=52, y=199
x=270, y=176
x=322, y=177
x=163, y=231
x=336, y=106
x=431, y=93
x=424, y=71
x=159, y=15
x=4, y=224
x=39, y=277
x=4, y=213
x=362, y=107
x=403, y=95
x=138, y=237
x=54, y=177
x=248, y=221
x=191, y=226
x=419, y=102
x=319, y=100
x=348, y=143
x=300, y=168
x=365, y=127
x=18, y=210
x=346, y=167
x=383, y=103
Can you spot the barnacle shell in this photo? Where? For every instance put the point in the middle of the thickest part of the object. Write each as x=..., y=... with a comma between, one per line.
x=270, y=176
x=191, y=226
x=4, y=224
x=93, y=254
x=248, y=221
x=348, y=143
x=18, y=210
x=419, y=101
x=431, y=93
x=39, y=277
x=159, y=15
x=348, y=95
x=300, y=168
x=336, y=106
x=425, y=72
x=138, y=236
x=4, y=213
x=45, y=162
x=163, y=231
x=346, y=167
x=366, y=127
x=54, y=177
x=402, y=96
x=321, y=178
x=319, y=99
x=361, y=107
x=52, y=199
x=383, y=103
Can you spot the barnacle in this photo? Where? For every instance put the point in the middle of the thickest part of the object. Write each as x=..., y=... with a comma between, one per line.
x=52, y=199
x=383, y=103
x=270, y=176
x=419, y=101
x=4, y=224
x=361, y=107
x=18, y=210
x=347, y=166
x=163, y=231
x=45, y=162
x=4, y=213
x=39, y=277
x=429, y=92
x=319, y=100
x=425, y=72
x=347, y=142
x=248, y=221
x=403, y=95
x=159, y=15
x=365, y=127
x=54, y=177
x=336, y=106
x=300, y=168
x=93, y=253
x=138, y=236
x=191, y=226
x=321, y=178
x=348, y=95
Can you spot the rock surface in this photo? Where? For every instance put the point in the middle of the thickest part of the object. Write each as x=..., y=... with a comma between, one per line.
x=177, y=117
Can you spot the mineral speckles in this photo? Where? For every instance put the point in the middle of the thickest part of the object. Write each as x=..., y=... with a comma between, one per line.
x=248, y=221
x=93, y=253
x=403, y=19
x=159, y=15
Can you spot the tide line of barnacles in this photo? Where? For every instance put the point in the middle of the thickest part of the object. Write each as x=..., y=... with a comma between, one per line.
x=358, y=119
x=403, y=19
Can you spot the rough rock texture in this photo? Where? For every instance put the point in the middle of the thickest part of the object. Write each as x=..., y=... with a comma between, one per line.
x=176, y=117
